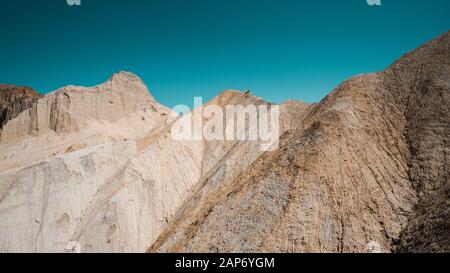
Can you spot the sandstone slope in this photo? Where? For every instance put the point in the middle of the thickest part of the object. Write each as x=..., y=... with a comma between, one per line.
x=364, y=170
x=97, y=170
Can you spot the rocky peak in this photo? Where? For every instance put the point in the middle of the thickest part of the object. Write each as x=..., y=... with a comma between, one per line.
x=229, y=97
x=11, y=93
x=130, y=82
x=72, y=108
x=14, y=100
x=365, y=167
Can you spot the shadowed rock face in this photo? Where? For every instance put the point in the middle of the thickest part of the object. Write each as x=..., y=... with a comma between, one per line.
x=424, y=75
x=364, y=170
x=14, y=100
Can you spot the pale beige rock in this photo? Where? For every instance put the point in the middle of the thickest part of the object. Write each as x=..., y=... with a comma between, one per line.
x=365, y=170
x=76, y=117
x=83, y=177
x=97, y=170
x=109, y=179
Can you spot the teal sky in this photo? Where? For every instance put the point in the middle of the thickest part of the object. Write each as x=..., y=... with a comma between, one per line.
x=278, y=49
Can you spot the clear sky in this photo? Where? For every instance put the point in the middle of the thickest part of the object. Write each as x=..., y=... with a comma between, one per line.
x=278, y=49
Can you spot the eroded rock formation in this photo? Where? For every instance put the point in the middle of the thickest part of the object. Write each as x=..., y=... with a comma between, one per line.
x=14, y=100
x=364, y=170
x=98, y=170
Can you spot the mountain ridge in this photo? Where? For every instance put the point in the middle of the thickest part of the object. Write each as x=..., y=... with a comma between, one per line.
x=363, y=170
x=350, y=177
x=99, y=182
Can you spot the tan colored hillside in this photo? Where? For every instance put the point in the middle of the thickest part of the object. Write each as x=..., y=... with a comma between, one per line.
x=97, y=169
x=367, y=169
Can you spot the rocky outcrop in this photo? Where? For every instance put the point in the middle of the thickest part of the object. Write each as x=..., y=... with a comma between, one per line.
x=14, y=100
x=98, y=169
x=101, y=171
x=71, y=173
x=74, y=118
x=424, y=76
x=71, y=109
x=365, y=170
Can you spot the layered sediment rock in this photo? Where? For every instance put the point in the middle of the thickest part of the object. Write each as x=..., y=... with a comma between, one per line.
x=365, y=170
x=14, y=100
x=70, y=173
x=97, y=169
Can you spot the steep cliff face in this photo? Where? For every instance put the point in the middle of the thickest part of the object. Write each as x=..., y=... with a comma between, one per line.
x=319, y=192
x=364, y=170
x=424, y=75
x=70, y=173
x=100, y=170
x=74, y=118
x=14, y=100
x=72, y=108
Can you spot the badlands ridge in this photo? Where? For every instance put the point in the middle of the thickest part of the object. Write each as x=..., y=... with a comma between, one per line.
x=366, y=169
